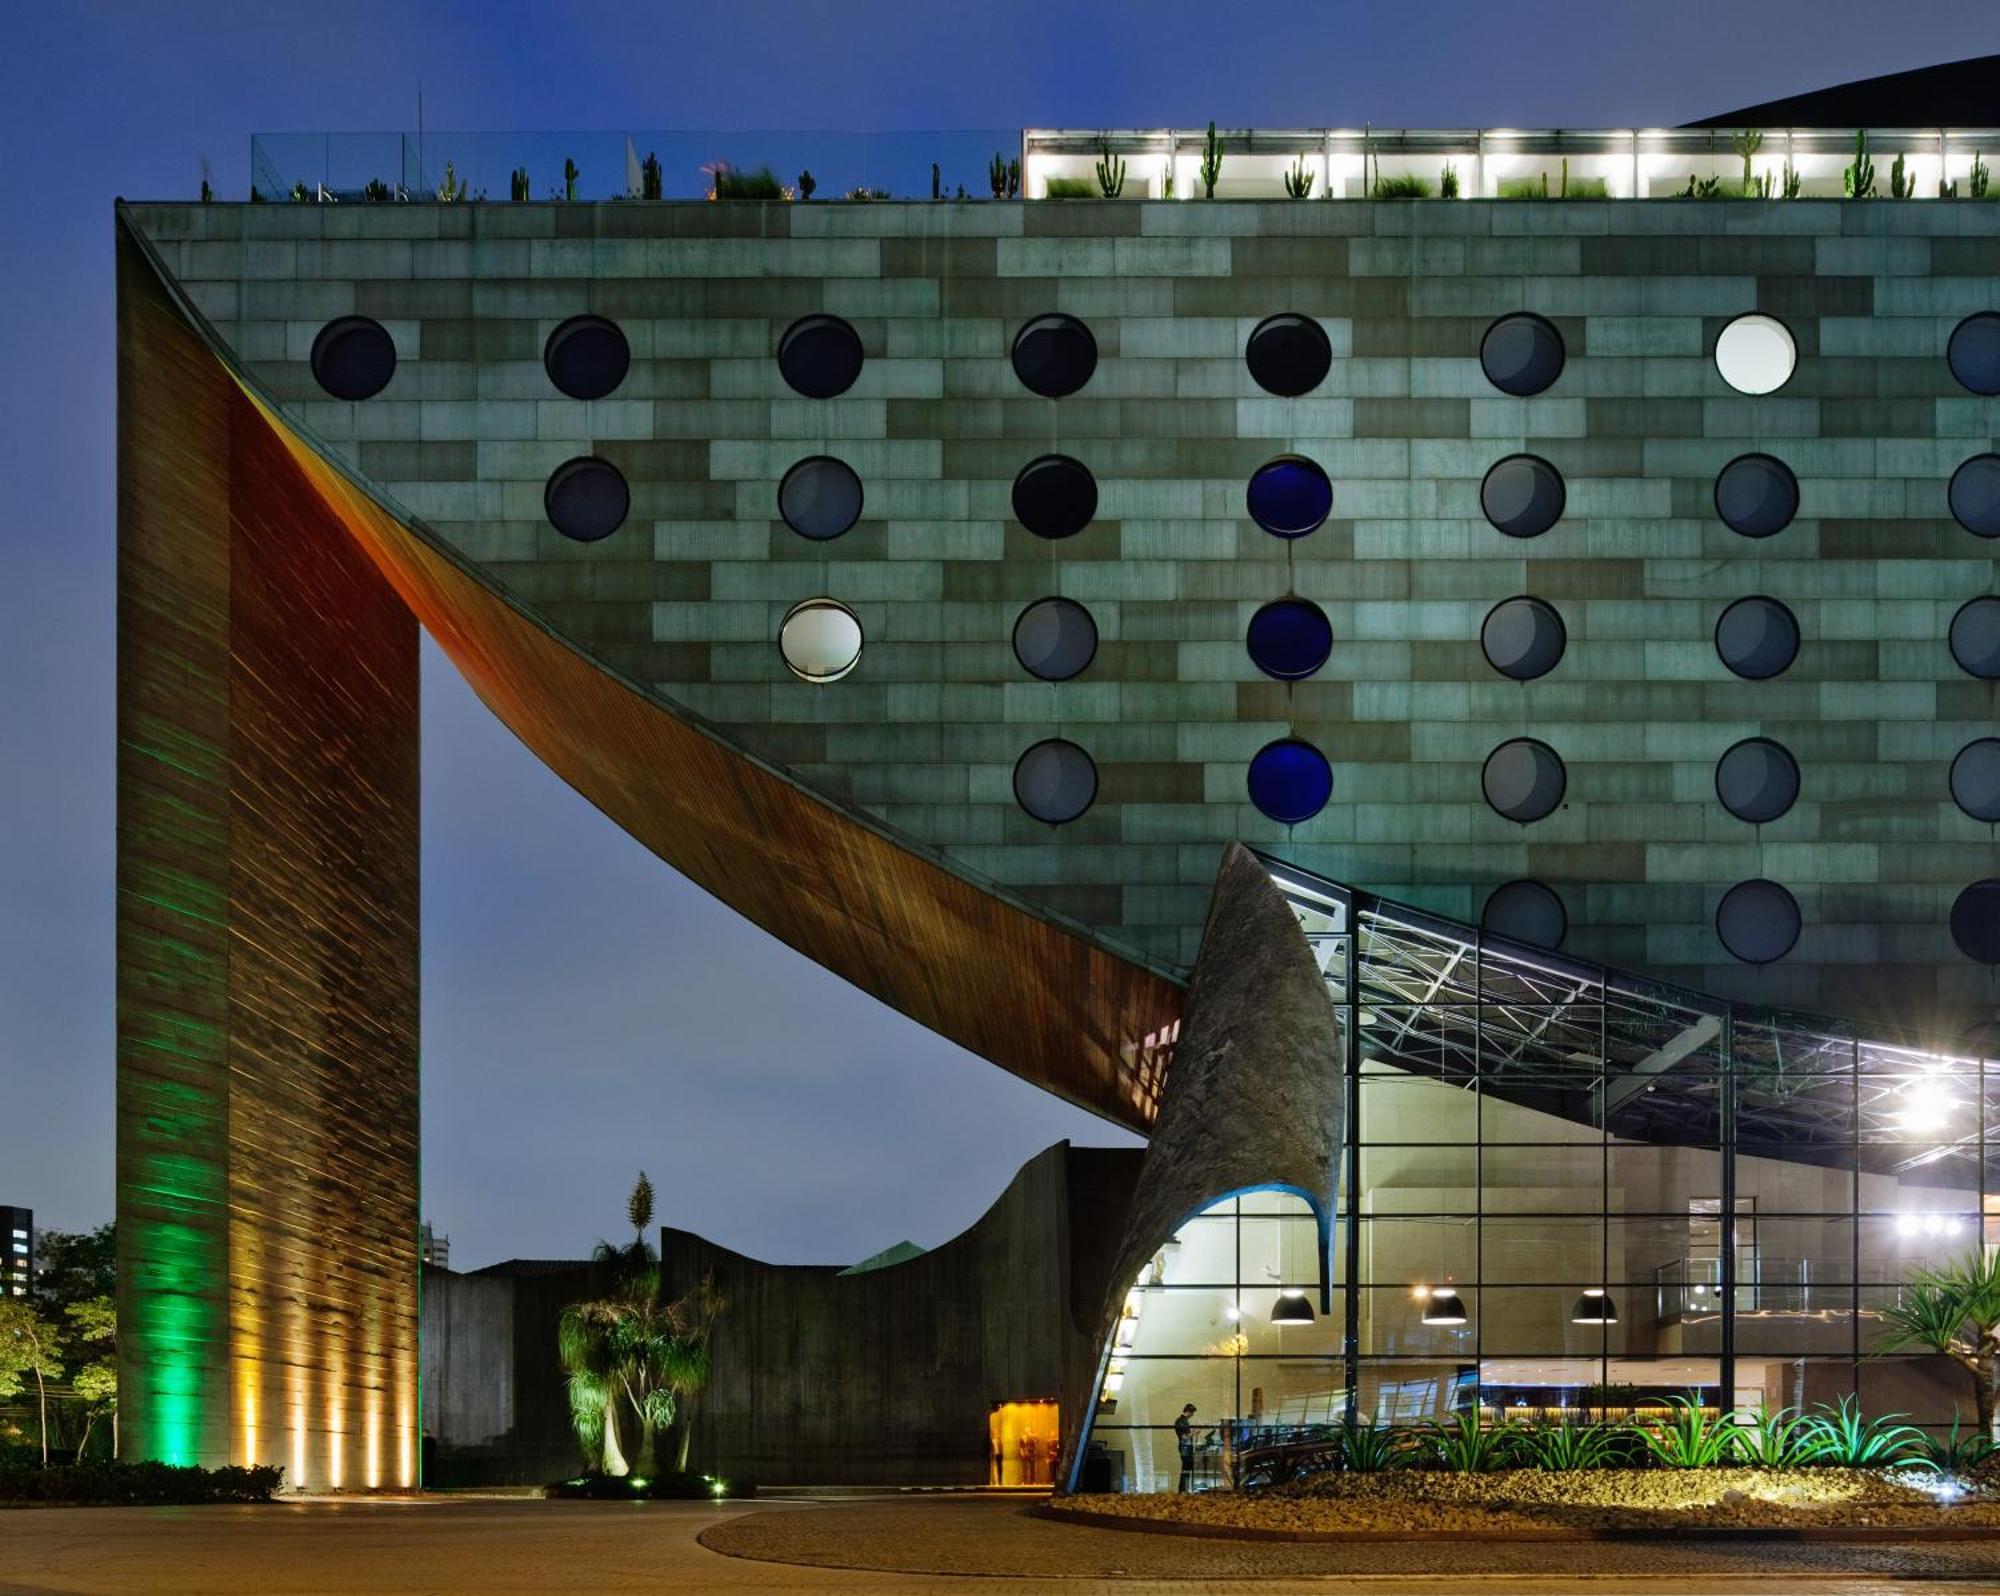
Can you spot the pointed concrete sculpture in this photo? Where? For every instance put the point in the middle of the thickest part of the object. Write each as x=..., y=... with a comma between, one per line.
x=1254, y=1096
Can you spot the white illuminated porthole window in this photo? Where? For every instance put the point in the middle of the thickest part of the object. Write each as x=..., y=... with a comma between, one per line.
x=820, y=639
x=1756, y=354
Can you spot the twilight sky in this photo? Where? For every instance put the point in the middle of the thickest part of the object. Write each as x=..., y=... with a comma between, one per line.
x=586, y=1011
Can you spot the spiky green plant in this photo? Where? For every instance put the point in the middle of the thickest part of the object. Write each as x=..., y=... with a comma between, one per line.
x=1688, y=1440
x=517, y=184
x=377, y=192
x=1110, y=172
x=1746, y=144
x=1902, y=183
x=452, y=189
x=1955, y=1312
x=1404, y=185
x=808, y=184
x=1562, y=1448
x=1464, y=1444
x=1299, y=179
x=1956, y=1453
x=1702, y=188
x=1839, y=1436
x=1857, y=181
x=1980, y=177
x=1791, y=179
x=1373, y=1448
x=301, y=194
x=1211, y=162
x=649, y=177
x=1448, y=182
x=1771, y=1438
x=996, y=175
x=570, y=175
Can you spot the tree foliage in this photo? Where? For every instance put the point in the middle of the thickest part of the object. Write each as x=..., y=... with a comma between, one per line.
x=1955, y=1312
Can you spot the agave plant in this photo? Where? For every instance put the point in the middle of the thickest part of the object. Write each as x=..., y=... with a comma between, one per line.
x=1956, y=1453
x=1772, y=1438
x=1689, y=1440
x=1373, y=1448
x=1466, y=1446
x=1838, y=1436
x=1561, y=1448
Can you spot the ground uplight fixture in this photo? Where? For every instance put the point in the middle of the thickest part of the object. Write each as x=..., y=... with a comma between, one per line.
x=1291, y=1308
x=1594, y=1307
x=1444, y=1307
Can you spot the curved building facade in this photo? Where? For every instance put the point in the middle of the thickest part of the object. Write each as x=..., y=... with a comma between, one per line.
x=946, y=586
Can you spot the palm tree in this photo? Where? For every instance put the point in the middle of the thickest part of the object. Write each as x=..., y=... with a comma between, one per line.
x=1955, y=1311
x=630, y=1358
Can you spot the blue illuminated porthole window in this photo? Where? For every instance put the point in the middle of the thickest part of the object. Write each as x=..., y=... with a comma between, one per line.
x=1289, y=638
x=1290, y=780
x=1290, y=496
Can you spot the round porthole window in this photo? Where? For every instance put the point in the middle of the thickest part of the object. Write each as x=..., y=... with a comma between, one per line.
x=1522, y=495
x=1289, y=638
x=1975, y=779
x=1975, y=638
x=1974, y=352
x=1523, y=780
x=1525, y=911
x=1055, y=639
x=1757, y=638
x=353, y=357
x=1054, y=355
x=820, y=497
x=1975, y=922
x=587, y=357
x=820, y=639
x=1757, y=921
x=1055, y=781
x=586, y=499
x=1290, y=780
x=1290, y=496
x=1521, y=354
x=1975, y=495
x=1757, y=780
x=1756, y=354
x=820, y=356
x=1288, y=355
x=1523, y=638
x=1055, y=496
x=1756, y=495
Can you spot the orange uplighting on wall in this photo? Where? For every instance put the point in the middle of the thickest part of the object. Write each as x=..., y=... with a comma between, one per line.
x=1023, y=1439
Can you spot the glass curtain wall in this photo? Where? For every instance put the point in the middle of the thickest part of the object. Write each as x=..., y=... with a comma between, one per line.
x=1569, y=1193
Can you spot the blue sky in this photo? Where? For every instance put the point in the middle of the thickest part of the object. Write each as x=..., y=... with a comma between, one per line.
x=587, y=1012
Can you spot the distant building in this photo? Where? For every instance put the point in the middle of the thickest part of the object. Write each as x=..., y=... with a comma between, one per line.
x=435, y=1249
x=17, y=1251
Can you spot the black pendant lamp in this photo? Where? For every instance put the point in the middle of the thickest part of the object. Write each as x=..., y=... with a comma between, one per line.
x=1594, y=1307
x=1292, y=1307
x=1444, y=1307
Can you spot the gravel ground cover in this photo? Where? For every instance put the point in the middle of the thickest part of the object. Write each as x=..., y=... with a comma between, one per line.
x=1515, y=1501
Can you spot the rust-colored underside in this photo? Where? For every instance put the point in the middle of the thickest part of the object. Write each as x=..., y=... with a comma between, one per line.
x=1026, y=992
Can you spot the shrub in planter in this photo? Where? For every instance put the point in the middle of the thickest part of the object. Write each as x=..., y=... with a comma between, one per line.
x=1466, y=1446
x=1688, y=1440
x=663, y=1487
x=1839, y=1437
x=133, y=1484
x=1071, y=188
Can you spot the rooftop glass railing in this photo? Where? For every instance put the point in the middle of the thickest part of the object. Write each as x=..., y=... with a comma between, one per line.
x=1134, y=163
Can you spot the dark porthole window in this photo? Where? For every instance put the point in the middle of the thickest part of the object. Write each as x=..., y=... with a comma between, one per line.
x=1523, y=638
x=1288, y=355
x=820, y=497
x=1521, y=354
x=1757, y=638
x=1974, y=352
x=1055, y=496
x=1757, y=921
x=353, y=357
x=1975, y=495
x=1054, y=355
x=820, y=356
x=1289, y=638
x=1290, y=496
x=1975, y=638
x=586, y=499
x=1522, y=495
x=1975, y=922
x=1055, y=639
x=1524, y=780
x=1055, y=781
x=1975, y=779
x=1757, y=495
x=1757, y=780
x=587, y=357
x=1525, y=911
x=1290, y=780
